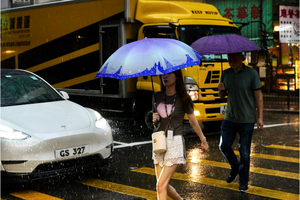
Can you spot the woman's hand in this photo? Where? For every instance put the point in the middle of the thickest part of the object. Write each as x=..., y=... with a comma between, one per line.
x=155, y=117
x=194, y=123
x=204, y=146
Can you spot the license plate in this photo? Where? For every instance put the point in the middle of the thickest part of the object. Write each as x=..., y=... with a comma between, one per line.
x=223, y=109
x=72, y=151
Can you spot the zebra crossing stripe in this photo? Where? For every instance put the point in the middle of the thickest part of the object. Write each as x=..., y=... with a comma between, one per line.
x=272, y=157
x=283, y=147
x=258, y=170
x=33, y=195
x=223, y=184
x=119, y=188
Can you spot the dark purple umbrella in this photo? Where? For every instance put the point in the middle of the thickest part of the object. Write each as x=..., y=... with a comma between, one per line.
x=223, y=44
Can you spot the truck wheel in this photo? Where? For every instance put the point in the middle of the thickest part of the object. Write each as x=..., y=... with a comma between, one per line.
x=142, y=109
x=148, y=119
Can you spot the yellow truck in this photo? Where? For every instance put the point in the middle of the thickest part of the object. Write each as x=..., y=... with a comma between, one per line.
x=66, y=43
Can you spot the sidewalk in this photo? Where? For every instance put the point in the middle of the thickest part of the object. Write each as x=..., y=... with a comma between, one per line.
x=281, y=108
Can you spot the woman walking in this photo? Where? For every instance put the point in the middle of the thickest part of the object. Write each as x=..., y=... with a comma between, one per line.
x=173, y=100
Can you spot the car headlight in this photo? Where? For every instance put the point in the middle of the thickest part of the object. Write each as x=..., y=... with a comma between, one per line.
x=11, y=134
x=192, y=88
x=100, y=121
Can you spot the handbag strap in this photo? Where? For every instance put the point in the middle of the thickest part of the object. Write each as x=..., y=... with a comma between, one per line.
x=171, y=116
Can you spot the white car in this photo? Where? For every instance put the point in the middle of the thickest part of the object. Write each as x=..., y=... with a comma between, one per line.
x=43, y=134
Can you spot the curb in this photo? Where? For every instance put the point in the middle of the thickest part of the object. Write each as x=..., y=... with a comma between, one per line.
x=282, y=110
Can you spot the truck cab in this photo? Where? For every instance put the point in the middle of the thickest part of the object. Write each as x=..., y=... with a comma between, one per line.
x=187, y=22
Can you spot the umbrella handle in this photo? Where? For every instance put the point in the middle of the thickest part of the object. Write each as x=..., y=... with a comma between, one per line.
x=222, y=78
x=155, y=108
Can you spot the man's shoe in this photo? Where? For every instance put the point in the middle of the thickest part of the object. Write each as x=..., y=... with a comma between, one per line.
x=243, y=188
x=233, y=174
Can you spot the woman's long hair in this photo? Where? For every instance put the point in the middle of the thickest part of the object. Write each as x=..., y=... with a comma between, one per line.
x=181, y=91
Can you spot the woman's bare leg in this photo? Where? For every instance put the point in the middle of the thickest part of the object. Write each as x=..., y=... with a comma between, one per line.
x=163, y=188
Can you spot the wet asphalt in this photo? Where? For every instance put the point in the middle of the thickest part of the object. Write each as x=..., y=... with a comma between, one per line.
x=274, y=172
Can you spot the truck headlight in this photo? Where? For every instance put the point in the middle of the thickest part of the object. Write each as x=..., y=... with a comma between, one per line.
x=192, y=88
x=11, y=134
x=193, y=91
x=100, y=121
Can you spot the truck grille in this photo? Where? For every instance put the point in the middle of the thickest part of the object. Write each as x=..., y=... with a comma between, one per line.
x=212, y=110
x=212, y=77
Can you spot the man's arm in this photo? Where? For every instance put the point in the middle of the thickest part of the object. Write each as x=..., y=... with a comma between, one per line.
x=259, y=104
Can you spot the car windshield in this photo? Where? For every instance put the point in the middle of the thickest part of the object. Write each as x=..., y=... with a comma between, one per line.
x=190, y=33
x=24, y=88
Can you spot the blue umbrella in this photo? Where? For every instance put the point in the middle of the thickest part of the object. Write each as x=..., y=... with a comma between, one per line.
x=148, y=57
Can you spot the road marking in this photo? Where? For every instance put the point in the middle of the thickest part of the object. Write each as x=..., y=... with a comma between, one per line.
x=252, y=169
x=149, y=194
x=131, y=144
x=123, y=189
x=272, y=157
x=116, y=142
x=223, y=184
x=33, y=195
x=282, y=147
x=275, y=125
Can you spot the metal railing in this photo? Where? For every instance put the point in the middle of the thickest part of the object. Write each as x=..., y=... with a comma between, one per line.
x=282, y=99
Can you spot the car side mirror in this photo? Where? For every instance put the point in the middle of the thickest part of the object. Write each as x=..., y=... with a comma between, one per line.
x=64, y=95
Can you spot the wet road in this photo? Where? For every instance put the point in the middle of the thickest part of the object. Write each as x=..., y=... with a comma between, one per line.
x=274, y=172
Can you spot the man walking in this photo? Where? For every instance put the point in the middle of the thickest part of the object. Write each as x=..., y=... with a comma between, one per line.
x=244, y=95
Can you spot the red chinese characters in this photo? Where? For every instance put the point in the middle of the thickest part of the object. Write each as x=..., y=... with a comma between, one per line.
x=228, y=13
x=284, y=13
x=255, y=12
x=242, y=12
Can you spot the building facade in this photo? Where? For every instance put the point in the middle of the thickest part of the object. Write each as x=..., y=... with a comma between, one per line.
x=274, y=26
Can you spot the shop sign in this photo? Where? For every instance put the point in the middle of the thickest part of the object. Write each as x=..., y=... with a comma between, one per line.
x=289, y=24
x=16, y=31
x=257, y=13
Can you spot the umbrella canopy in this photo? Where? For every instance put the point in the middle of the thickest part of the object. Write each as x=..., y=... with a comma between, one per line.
x=224, y=44
x=147, y=57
